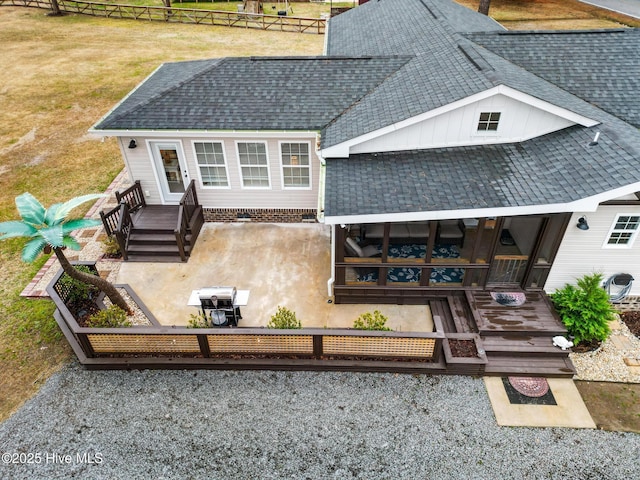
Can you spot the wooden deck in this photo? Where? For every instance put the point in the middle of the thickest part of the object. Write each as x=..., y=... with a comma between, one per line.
x=516, y=340
x=154, y=233
x=535, y=316
x=156, y=217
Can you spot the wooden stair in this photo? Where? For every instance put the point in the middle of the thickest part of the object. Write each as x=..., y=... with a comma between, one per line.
x=526, y=355
x=155, y=245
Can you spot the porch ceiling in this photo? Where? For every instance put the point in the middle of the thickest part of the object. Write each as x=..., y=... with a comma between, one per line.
x=286, y=265
x=553, y=170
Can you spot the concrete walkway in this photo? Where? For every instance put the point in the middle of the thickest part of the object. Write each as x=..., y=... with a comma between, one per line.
x=626, y=7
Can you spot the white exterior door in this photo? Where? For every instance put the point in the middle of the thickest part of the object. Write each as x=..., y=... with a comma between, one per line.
x=171, y=171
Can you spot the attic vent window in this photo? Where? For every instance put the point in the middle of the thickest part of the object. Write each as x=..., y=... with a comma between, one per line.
x=488, y=121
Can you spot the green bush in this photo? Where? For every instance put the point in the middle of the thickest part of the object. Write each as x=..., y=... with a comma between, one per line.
x=111, y=246
x=371, y=321
x=112, y=317
x=198, y=321
x=585, y=310
x=78, y=291
x=284, y=319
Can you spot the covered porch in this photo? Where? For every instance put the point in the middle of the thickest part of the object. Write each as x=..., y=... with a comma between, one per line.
x=406, y=262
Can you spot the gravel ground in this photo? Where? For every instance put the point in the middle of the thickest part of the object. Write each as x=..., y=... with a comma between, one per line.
x=274, y=425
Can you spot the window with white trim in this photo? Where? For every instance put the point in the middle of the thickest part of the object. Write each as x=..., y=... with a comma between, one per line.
x=254, y=165
x=488, y=121
x=210, y=159
x=623, y=231
x=296, y=165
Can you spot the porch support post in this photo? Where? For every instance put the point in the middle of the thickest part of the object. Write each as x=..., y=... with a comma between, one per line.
x=493, y=248
x=533, y=257
x=382, y=272
x=338, y=248
x=425, y=273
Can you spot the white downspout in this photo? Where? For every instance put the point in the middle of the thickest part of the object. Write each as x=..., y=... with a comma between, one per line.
x=320, y=217
x=333, y=262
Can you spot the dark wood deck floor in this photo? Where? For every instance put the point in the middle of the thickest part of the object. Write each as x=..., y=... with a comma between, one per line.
x=516, y=340
x=156, y=217
x=535, y=316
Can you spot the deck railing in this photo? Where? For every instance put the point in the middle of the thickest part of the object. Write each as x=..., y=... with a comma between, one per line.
x=182, y=15
x=186, y=211
x=117, y=222
x=132, y=196
x=304, y=349
x=508, y=269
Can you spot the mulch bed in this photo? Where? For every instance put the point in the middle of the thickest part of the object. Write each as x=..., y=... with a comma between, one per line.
x=463, y=348
x=584, y=347
x=632, y=321
x=81, y=311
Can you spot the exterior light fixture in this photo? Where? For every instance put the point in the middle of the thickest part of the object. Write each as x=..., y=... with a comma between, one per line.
x=582, y=223
x=132, y=143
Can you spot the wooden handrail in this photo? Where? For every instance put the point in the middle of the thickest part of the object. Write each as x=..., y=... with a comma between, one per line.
x=132, y=196
x=124, y=229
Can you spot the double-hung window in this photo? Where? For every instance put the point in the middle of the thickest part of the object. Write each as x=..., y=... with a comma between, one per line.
x=623, y=231
x=211, y=163
x=296, y=165
x=254, y=166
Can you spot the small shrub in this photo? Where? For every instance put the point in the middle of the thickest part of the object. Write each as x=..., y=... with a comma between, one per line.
x=78, y=291
x=284, y=319
x=372, y=321
x=112, y=317
x=198, y=321
x=585, y=310
x=111, y=247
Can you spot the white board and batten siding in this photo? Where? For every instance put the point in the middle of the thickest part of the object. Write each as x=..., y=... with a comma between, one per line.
x=582, y=252
x=519, y=121
x=139, y=162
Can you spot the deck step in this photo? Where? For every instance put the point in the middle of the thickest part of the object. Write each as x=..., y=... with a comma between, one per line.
x=156, y=250
x=524, y=345
x=145, y=238
x=541, y=330
x=531, y=366
x=155, y=258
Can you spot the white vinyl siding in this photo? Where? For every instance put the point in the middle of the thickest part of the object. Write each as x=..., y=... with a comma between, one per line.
x=235, y=195
x=518, y=122
x=584, y=252
x=211, y=164
x=623, y=231
x=296, y=165
x=254, y=164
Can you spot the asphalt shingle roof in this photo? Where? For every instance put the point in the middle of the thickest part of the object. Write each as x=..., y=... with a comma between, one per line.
x=559, y=167
x=601, y=67
x=257, y=93
x=448, y=66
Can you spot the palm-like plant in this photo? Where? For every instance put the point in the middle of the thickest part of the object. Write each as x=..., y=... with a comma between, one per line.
x=49, y=228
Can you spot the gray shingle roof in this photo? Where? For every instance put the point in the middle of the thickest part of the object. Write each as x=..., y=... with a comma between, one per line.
x=448, y=66
x=556, y=168
x=602, y=67
x=258, y=93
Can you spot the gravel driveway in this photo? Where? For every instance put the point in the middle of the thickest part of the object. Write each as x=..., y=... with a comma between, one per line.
x=263, y=425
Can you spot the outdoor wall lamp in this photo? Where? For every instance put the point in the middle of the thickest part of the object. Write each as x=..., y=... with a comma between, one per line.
x=582, y=223
x=132, y=143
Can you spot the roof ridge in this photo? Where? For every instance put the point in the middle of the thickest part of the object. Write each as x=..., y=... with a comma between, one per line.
x=560, y=32
x=352, y=105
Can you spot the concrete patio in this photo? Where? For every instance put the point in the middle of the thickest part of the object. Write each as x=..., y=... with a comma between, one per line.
x=281, y=264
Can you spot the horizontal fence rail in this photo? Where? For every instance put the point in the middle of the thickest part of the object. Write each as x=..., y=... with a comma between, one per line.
x=182, y=15
x=258, y=341
x=311, y=348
